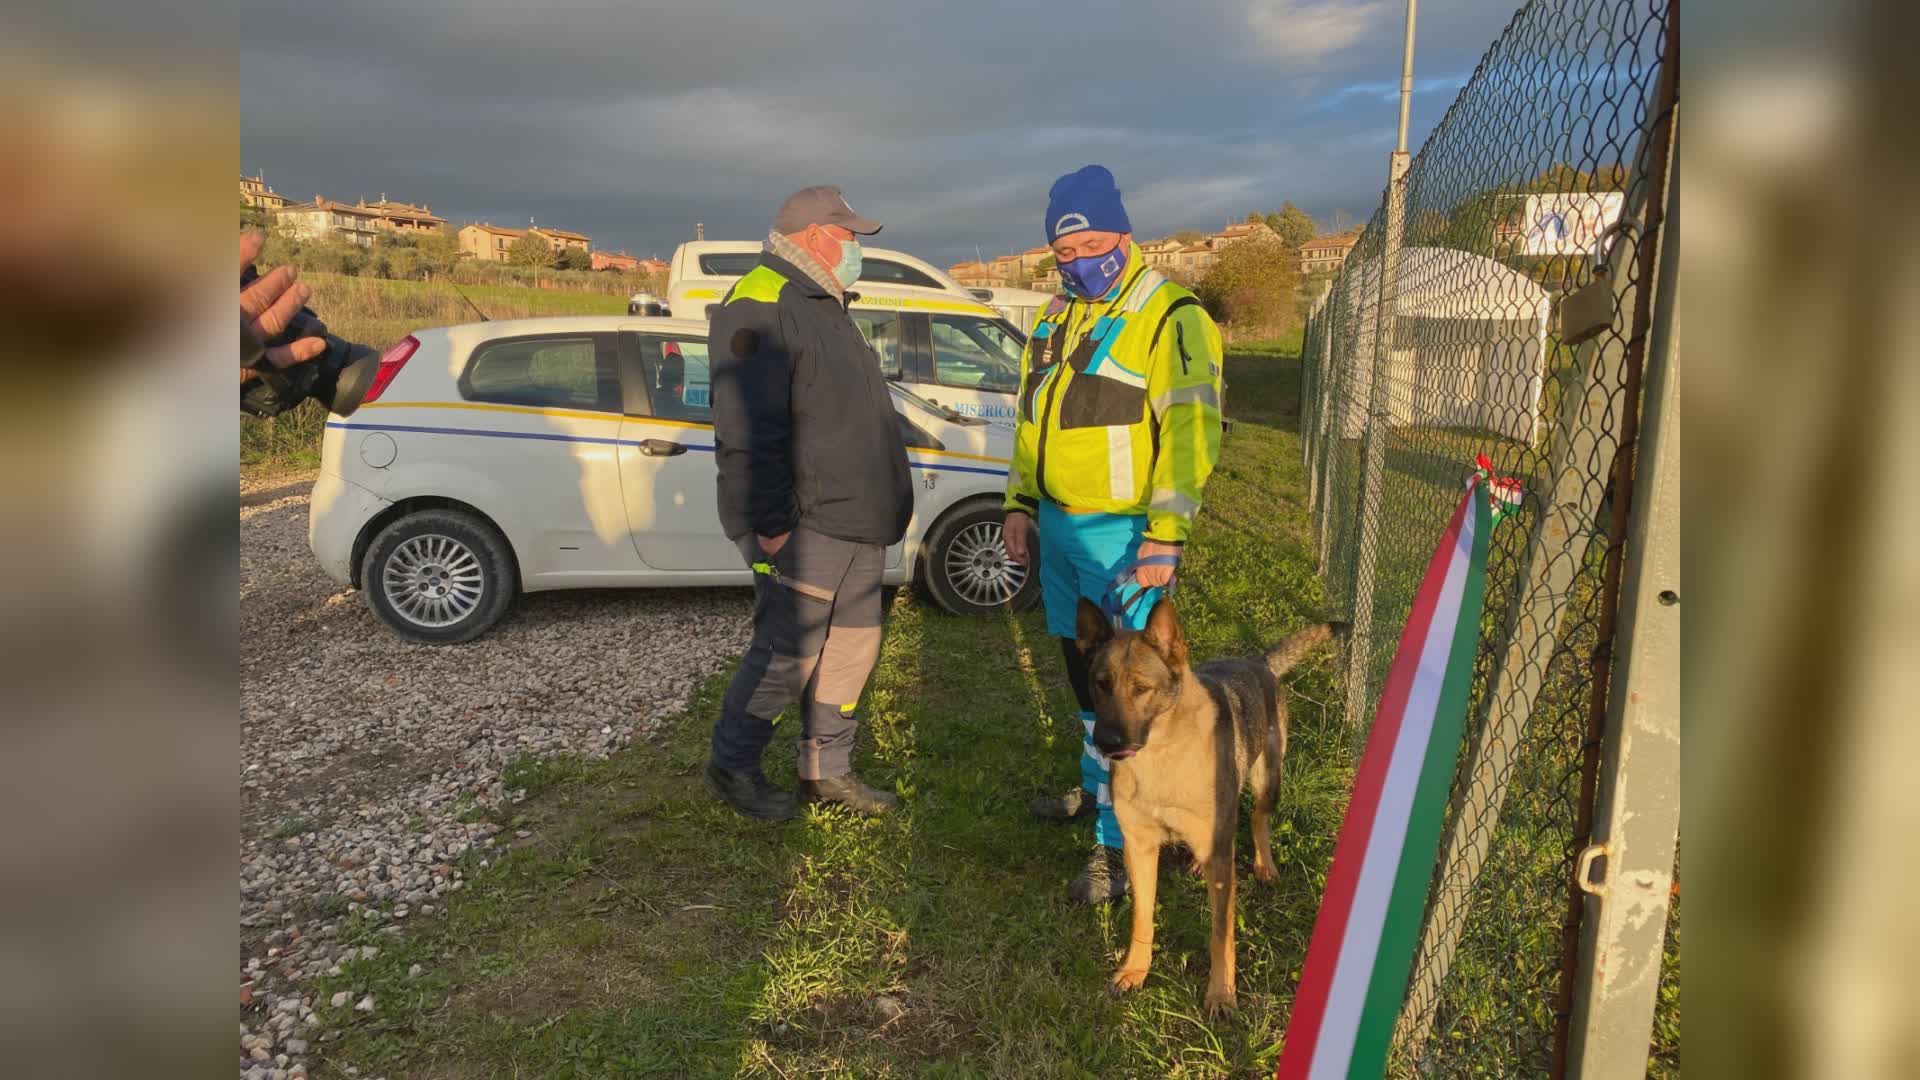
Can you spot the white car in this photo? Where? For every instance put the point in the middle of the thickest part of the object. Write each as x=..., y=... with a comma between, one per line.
x=497, y=458
x=933, y=334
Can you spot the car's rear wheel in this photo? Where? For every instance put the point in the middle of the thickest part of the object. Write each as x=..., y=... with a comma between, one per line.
x=438, y=577
x=966, y=569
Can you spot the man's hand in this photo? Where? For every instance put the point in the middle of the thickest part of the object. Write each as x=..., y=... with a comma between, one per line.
x=1014, y=532
x=771, y=545
x=1155, y=577
x=269, y=304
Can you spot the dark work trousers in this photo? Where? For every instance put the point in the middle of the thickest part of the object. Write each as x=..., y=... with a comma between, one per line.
x=816, y=636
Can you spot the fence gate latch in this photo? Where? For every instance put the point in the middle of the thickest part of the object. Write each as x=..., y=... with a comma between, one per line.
x=1583, y=871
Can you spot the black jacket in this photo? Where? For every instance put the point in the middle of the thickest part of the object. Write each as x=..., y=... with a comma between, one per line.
x=804, y=427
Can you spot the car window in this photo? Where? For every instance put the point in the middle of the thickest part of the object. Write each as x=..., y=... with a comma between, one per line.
x=975, y=353
x=728, y=263
x=554, y=372
x=882, y=330
x=679, y=385
x=888, y=272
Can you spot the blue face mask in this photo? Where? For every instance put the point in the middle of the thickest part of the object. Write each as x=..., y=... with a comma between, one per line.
x=1092, y=277
x=850, y=265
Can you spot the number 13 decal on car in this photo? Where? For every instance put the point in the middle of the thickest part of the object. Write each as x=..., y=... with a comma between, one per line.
x=928, y=478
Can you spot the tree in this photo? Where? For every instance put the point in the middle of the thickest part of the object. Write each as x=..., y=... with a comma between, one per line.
x=1254, y=285
x=254, y=217
x=1047, y=262
x=530, y=250
x=439, y=251
x=1294, y=225
x=574, y=259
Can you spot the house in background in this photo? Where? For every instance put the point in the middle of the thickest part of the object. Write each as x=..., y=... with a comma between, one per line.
x=1324, y=254
x=615, y=260
x=656, y=267
x=1031, y=259
x=1245, y=230
x=561, y=239
x=974, y=275
x=487, y=242
x=322, y=217
x=1162, y=253
x=1194, y=259
x=404, y=217
x=1047, y=280
x=1008, y=269
x=255, y=192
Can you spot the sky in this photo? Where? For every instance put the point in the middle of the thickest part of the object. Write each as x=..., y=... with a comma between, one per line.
x=948, y=122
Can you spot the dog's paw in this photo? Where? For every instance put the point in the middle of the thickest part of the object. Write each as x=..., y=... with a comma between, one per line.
x=1197, y=868
x=1127, y=979
x=1221, y=1002
x=1266, y=872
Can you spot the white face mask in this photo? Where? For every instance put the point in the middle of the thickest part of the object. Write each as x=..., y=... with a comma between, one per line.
x=850, y=265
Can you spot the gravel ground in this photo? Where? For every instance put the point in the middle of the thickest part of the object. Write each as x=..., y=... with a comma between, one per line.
x=360, y=752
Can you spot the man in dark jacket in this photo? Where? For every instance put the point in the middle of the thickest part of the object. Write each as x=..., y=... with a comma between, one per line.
x=813, y=486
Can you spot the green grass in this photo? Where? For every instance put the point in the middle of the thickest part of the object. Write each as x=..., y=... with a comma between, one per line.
x=645, y=930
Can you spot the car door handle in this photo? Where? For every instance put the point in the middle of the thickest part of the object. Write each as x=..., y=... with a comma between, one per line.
x=661, y=448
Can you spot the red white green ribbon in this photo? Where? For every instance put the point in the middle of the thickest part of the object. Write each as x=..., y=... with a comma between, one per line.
x=1361, y=954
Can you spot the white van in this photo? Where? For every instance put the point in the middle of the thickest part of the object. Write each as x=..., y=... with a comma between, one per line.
x=932, y=333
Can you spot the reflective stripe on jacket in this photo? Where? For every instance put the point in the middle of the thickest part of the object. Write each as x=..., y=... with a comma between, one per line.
x=1119, y=407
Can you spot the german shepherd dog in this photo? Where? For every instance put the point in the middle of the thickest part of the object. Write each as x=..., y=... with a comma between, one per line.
x=1183, y=742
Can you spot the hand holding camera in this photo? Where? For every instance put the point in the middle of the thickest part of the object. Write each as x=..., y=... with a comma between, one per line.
x=286, y=354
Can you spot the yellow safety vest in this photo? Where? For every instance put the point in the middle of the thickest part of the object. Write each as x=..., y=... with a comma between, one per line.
x=1119, y=407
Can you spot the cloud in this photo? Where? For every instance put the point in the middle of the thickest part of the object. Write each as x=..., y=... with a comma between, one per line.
x=1310, y=29
x=948, y=123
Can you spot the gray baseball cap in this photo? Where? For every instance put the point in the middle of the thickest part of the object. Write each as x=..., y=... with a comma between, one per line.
x=821, y=204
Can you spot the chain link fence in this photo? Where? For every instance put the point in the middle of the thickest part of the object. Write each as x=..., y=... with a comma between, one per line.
x=1488, y=308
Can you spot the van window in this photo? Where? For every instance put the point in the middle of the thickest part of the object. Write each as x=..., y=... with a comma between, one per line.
x=975, y=353
x=728, y=263
x=548, y=372
x=888, y=272
x=679, y=385
x=882, y=330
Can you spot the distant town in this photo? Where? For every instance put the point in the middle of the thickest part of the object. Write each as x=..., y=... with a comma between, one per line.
x=360, y=222
x=1186, y=256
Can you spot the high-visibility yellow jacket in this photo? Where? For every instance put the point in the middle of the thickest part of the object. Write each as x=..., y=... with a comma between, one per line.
x=1119, y=405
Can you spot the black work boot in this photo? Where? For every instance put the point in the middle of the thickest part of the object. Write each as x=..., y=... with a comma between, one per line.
x=1074, y=804
x=848, y=791
x=751, y=793
x=1104, y=880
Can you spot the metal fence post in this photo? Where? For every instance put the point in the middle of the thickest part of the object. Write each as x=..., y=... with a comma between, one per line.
x=1374, y=446
x=1638, y=818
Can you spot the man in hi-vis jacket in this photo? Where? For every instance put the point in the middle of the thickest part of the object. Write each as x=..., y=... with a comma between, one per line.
x=1118, y=429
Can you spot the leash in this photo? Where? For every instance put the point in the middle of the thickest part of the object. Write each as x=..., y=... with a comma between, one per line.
x=1110, y=602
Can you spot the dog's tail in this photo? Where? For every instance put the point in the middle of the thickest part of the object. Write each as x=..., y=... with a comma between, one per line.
x=1282, y=657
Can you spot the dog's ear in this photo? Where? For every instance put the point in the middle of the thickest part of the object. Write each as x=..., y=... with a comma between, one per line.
x=1090, y=626
x=1163, y=633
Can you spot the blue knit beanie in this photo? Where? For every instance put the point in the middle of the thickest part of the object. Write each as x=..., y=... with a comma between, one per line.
x=1082, y=200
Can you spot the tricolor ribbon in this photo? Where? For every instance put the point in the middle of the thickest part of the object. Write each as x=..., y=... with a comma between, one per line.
x=1361, y=953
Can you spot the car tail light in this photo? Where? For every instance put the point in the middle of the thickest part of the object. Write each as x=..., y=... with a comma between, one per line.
x=391, y=362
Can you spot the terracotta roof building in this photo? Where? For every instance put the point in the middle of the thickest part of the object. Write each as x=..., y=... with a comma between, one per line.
x=488, y=242
x=1326, y=253
x=255, y=192
x=615, y=260
x=323, y=217
x=404, y=217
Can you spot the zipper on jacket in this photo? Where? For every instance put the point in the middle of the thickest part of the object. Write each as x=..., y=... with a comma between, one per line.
x=1059, y=361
